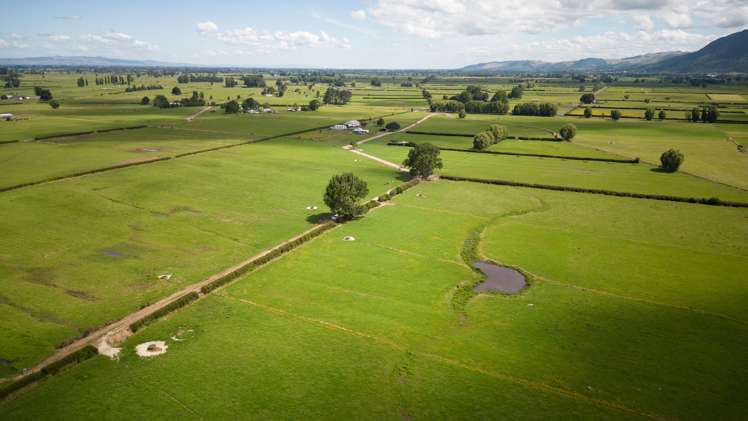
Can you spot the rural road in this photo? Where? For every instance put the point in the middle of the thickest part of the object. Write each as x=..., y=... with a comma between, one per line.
x=381, y=135
x=194, y=116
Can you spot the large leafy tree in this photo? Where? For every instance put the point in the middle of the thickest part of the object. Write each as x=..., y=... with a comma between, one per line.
x=160, y=101
x=343, y=193
x=568, y=131
x=423, y=159
x=232, y=107
x=671, y=160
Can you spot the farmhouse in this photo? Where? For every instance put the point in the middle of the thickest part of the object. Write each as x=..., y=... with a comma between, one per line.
x=359, y=130
x=353, y=123
x=339, y=127
x=6, y=116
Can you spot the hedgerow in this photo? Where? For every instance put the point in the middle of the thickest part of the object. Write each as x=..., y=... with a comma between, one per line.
x=713, y=201
x=174, y=305
x=534, y=155
x=82, y=354
x=265, y=258
x=52, y=136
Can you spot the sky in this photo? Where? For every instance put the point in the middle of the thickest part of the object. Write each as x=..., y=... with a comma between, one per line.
x=392, y=34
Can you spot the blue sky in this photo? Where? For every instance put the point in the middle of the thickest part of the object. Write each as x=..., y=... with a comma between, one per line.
x=364, y=34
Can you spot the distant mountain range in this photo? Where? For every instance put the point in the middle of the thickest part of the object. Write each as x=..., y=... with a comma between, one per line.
x=84, y=61
x=724, y=55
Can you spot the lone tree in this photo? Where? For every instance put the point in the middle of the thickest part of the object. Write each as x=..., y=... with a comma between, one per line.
x=314, y=105
x=649, y=114
x=587, y=98
x=615, y=115
x=568, y=131
x=662, y=115
x=343, y=193
x=145, y=100
x=671, y=160
x=461, y=114
x=380, y=122
x=232, y=107
x=54, y=104
x=176, y=91
x=161, y=102
x=423, y=159
x=392, y=126
x=587, y=112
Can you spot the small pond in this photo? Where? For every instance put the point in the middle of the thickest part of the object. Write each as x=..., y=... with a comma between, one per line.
x=499, y=279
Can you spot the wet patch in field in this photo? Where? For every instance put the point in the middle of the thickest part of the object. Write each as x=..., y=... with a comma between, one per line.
x=499, y=279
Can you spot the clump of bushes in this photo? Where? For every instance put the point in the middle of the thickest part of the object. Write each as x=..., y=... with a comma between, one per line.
x=615, y=115
x=671, y=160
x=568, y=131
x=392, y=126
x=587, y=112
x=533, y=109
x=493, y=135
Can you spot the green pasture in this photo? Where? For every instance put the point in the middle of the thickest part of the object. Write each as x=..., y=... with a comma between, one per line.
x=614, y=324
x=80, y=252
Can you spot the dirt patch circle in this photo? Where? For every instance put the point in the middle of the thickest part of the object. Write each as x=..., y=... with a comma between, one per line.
x=151, y=349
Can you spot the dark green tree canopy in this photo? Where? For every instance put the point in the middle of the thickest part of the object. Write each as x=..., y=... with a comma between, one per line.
x=314, y=105
x=587, y=112
x=343, y=194
x=671, y=160
x=423, y=159
x=176, y=91
x=232, y=107
x=615, y=115
x=587, y=98
x=568, y=131
x=392, y=126
x=160, y=101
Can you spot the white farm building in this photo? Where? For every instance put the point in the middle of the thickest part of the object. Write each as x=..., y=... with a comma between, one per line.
x=353, y=123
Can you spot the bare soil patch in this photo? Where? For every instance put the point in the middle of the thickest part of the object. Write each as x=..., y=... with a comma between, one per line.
x=499, y=279
x=151, y=349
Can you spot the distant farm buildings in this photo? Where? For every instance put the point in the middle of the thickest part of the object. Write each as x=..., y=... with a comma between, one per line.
x=6, y=116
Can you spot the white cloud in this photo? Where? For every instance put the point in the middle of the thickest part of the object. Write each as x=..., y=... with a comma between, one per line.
x=447, y=18
x=13, y=41
x=644, y=22
x=207, y=27
x=738, y=17
x=358, y=14
x=266, y=41
x=58, y=38
x=615, y=44
x=116, y=40
x=677, y=20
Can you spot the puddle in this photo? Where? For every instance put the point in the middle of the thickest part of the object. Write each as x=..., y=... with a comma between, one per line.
x=499, y=279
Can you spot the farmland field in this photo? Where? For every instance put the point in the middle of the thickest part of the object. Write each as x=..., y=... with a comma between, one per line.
x=634, y=308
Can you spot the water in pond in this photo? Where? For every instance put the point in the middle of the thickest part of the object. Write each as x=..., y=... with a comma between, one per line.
x=499, y=279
